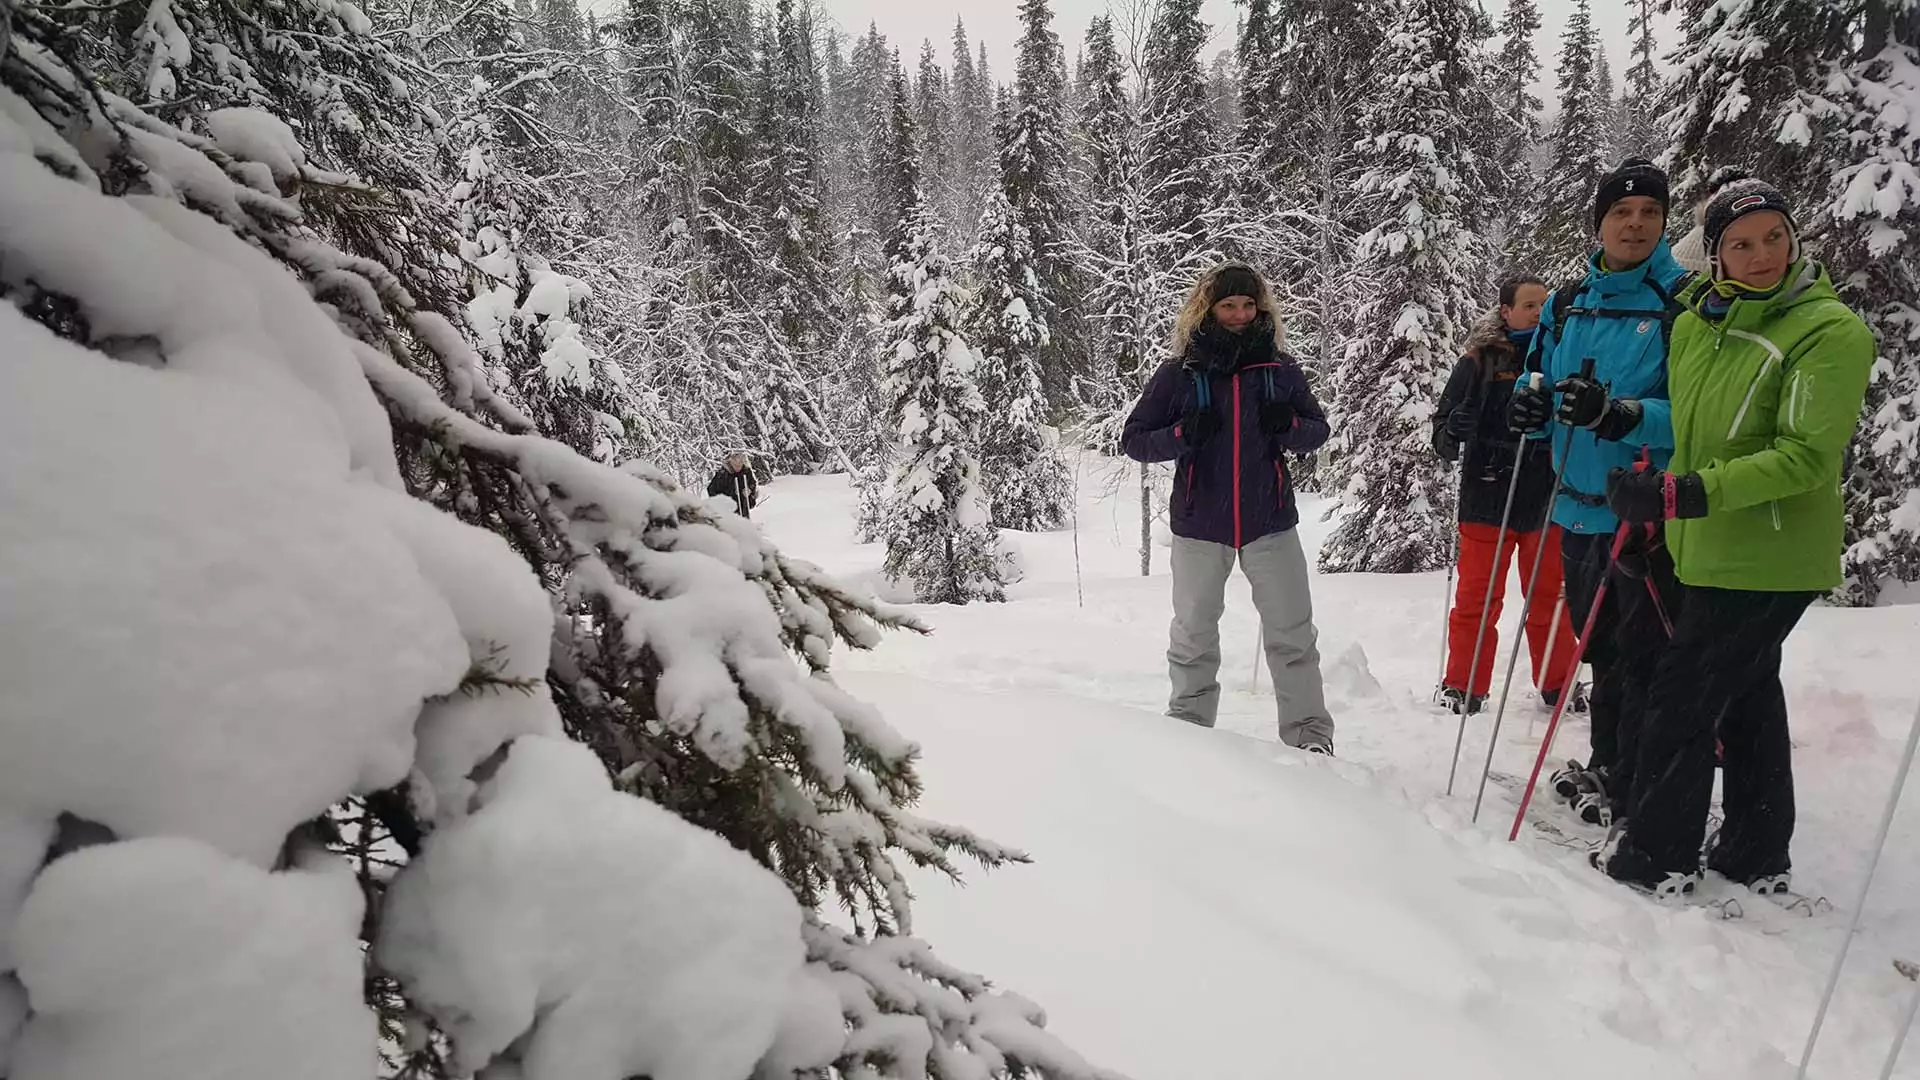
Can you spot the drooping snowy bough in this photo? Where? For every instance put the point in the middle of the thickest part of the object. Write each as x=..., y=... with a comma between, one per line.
x=353, y=728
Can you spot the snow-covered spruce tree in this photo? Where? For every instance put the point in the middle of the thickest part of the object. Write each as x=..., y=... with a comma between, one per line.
x=1223, y=87
x=1180, y=182
x=1326, y=82
x=1563, y=214
x=1028, y=486
x=874, y=70
x=1606, y=105
x=1033, y=175
x=1514, y=70
x=896, y=172
x=526, y=315
x=938, y=525
x=1121, y=325
x=971, y=155
x=933, y=117
x=1818, y=100
x=1640, y=134
x=798, y=291
x=313, y=440
x=1262, y=132
x=1395, y=497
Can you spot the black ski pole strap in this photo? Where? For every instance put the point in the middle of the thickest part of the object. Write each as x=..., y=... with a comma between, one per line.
x=1581, y=497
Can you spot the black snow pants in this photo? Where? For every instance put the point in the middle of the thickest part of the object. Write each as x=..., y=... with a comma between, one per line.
x=1625, y=645
x=1724, y=666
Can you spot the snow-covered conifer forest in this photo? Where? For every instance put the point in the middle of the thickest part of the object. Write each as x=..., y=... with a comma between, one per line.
x=380, y=692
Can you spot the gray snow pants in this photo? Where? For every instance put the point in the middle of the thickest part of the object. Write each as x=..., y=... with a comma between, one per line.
x=1276, y=567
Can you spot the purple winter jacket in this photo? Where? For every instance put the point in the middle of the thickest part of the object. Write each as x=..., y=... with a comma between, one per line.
x=1235, y=488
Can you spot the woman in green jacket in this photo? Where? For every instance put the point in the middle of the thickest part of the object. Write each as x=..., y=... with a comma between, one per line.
x=1766, y=375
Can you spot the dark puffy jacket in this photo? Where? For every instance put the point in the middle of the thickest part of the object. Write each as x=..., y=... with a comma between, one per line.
x=740, y=486
x=1483, y=379
x=1235, y=488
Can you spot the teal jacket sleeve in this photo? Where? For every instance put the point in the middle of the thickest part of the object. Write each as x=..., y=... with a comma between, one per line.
x=1656, y=425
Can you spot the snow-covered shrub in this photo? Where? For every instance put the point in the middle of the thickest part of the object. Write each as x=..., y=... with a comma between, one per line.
x=285, y=579
x=939, y=528
x=1028, y=484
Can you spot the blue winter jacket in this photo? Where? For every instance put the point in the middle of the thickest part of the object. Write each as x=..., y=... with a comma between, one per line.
x=1235, y=488
x=1630, y=358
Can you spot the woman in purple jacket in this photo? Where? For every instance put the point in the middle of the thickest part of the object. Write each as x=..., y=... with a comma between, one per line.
x=1227, y=410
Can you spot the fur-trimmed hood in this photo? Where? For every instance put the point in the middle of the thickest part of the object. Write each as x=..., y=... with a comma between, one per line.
x=1488, y=338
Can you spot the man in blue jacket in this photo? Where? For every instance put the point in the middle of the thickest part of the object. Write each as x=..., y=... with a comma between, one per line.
x=1618, y=318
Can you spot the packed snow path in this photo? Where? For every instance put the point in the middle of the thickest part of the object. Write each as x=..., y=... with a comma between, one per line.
x=1213, y=903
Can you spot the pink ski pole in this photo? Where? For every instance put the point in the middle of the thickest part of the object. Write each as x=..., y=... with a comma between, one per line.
x=1579, y=650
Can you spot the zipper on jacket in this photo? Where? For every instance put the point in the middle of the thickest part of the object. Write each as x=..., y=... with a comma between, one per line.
x=1236, y=459
x=1190, y=465
x=1776, y=514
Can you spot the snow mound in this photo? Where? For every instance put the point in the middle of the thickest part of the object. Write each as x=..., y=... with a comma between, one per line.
x=596, y=935
x=260, y=137
x=218, y=598
x=1350, y=676
x=168, y=960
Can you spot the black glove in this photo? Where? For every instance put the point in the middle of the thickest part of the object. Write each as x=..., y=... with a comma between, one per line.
x=1655, y=496
x=1463, y=422
x=1276, y=418
x=1198, y=426
x=1619, y=421
x=1582, y=401
x=1529, y=410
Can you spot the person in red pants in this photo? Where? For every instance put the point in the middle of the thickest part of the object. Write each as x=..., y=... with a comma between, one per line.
x=1471, y=422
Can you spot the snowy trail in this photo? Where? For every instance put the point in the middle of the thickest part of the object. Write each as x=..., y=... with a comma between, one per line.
x=1357, y=898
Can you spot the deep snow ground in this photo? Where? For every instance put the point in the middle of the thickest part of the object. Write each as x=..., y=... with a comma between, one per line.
x=1212, y=903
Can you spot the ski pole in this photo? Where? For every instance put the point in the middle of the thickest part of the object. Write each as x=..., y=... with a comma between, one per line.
x=1579, y=650
x=1553, y=636
x=1533, y=582
x=1493, y=740
x=1866, y=884
x=1486, y=601
x=1911, y=972
x=1446, y=604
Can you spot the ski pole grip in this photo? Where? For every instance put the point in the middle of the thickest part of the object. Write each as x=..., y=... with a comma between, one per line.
x=1586, y=368
x=1534, y=380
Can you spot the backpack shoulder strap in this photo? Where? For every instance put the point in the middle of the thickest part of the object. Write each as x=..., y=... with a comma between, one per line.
x=1202, y=388
x=1562, y=303
x=1671, y=305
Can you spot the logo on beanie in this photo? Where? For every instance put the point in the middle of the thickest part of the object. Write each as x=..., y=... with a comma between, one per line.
x=1629, y=185
x=1747, y=202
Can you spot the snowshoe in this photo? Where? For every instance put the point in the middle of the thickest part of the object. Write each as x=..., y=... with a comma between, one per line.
x=1576, y=701
x=1324, y=749
x=1594, y=808
x=1628, y=867
x=1458, y=701
x=1567, y=781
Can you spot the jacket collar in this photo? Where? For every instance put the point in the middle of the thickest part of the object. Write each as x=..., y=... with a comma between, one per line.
x=1806, y=279
x=1661, y=267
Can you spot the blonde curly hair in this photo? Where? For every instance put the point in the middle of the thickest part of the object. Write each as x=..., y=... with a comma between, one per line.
x=1197, y=305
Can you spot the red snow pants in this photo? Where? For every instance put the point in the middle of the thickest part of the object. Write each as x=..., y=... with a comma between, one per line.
x=1478, y=563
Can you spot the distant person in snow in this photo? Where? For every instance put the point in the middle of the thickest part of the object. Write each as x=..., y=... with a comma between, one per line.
x=1471, y=422
x=1228, y=408
x=1767, y=373
x=1602, y=348
x=735, y=481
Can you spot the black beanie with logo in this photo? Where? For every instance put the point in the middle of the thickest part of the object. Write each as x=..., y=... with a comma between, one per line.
x=1635, y=176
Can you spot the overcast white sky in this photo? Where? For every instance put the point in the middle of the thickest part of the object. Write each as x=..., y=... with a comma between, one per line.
x=997, y=22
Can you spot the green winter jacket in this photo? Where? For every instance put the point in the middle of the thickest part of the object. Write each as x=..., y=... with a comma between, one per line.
x=1764, y=404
